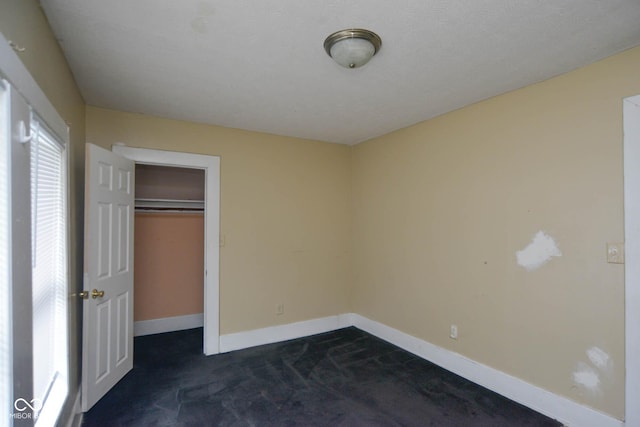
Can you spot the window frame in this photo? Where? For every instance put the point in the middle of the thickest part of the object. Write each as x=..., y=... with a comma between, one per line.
x=25, y=97
x=6, y=356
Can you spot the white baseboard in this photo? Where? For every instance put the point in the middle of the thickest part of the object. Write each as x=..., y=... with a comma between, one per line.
x=167, y=324
x=240, y=340
x=552, y=405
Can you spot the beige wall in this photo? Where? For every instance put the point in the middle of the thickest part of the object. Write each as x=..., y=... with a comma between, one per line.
x=441, y=208
x=23, y=22
x=169, y=265
x=285, y=215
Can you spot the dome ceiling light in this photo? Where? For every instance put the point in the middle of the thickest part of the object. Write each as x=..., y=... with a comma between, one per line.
x=352, y=48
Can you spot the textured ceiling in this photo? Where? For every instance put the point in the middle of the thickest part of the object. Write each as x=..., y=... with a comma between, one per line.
x=260, y=65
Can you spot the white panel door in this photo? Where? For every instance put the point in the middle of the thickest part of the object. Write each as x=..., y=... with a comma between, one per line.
x=107, y=346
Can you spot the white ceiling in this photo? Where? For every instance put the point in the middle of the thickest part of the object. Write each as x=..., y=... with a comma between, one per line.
x=260, y=65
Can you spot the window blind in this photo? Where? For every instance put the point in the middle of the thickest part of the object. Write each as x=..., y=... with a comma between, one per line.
x=49, y=271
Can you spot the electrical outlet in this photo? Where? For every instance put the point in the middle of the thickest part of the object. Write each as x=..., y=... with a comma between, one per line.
x=280, y=309
x=615, y=253
x=453, y=332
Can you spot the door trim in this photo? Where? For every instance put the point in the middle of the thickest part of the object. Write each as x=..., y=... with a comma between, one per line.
x=631, y=111
x=211, y=166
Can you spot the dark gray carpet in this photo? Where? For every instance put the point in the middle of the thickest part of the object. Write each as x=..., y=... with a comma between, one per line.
x=341, y=378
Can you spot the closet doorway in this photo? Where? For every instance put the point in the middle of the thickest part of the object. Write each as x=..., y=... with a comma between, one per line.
x=187, y=164
x=168, y=249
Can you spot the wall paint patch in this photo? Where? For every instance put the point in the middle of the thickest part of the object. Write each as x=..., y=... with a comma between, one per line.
x=541, y=249
x=600, y=359
x=586, y=377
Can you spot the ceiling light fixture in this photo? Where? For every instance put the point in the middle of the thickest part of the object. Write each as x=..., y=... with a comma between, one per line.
x=352, y=48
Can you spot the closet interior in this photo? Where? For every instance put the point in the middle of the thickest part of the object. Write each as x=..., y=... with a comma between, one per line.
x=168, y=244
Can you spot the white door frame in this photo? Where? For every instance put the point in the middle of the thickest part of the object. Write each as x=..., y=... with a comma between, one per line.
x=631, y=111
x=211, y=167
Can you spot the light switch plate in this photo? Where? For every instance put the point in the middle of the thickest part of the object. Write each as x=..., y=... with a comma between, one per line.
x=615, y=253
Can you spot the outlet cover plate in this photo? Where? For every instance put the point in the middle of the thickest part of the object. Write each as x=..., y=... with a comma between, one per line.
x=453, y=332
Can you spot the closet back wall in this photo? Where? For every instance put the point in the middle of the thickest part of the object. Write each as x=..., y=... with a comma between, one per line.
x=168, y=246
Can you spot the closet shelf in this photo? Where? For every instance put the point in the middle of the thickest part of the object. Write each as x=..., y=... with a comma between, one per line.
x=168, y=205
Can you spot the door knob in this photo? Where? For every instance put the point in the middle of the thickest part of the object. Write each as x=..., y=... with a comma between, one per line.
x=84, y=294
x=96, y=293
